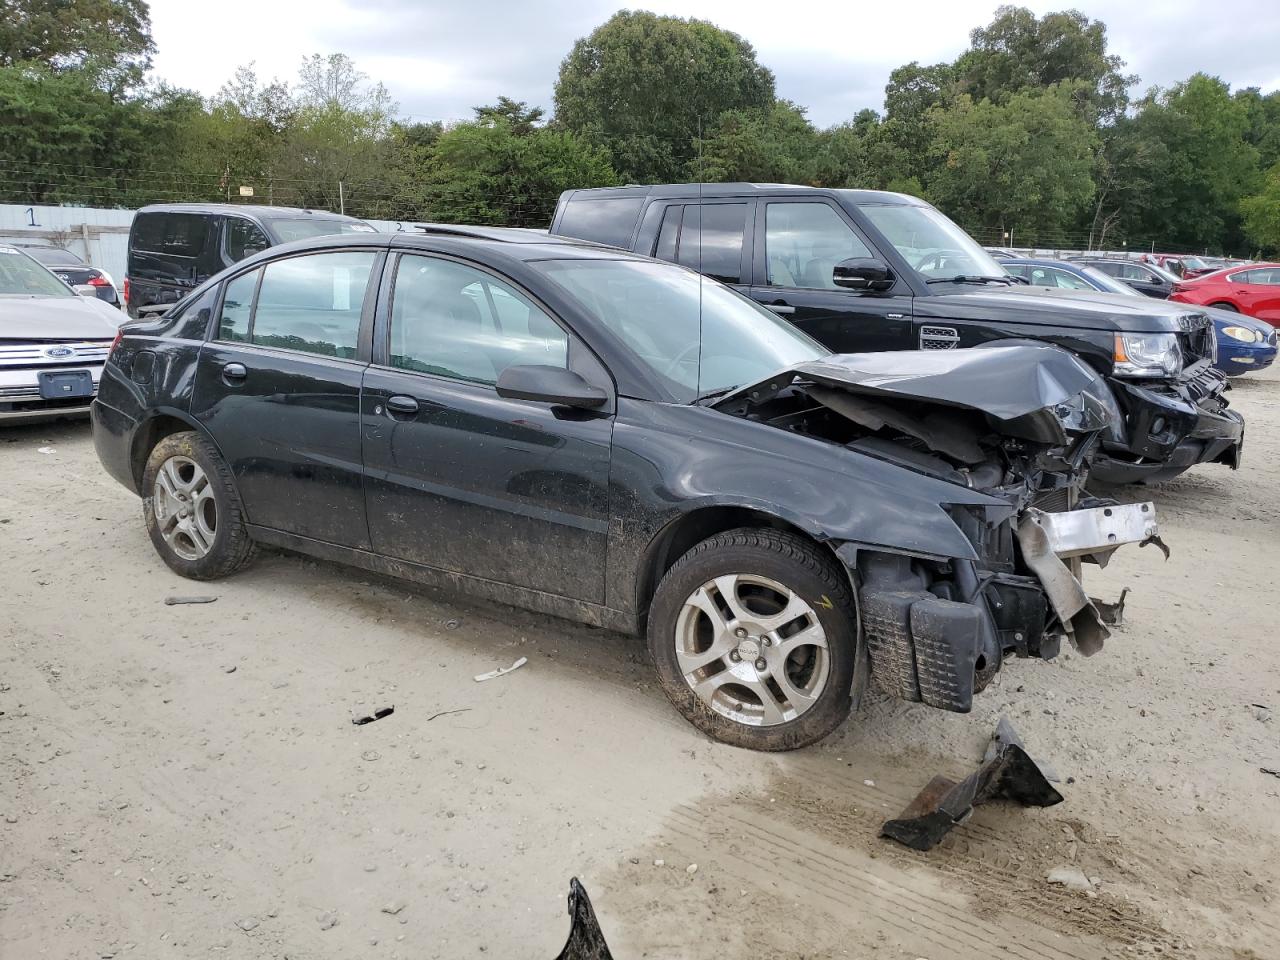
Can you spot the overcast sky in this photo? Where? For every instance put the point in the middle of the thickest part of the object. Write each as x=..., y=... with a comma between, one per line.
x=439, y=58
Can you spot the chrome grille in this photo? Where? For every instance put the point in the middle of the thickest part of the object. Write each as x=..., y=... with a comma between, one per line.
x=72, y=353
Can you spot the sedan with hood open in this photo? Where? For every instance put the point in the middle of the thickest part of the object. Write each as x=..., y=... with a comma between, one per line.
x=619, y=441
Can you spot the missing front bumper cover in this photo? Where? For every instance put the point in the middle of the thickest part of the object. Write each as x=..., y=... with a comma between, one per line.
x=1007, y=771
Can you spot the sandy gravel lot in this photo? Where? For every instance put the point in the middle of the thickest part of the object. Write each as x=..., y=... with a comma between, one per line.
x=154, y=802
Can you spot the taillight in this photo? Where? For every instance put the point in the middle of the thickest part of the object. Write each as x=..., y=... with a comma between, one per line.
x=115, y=343
x=96, y=281
x=126, y=289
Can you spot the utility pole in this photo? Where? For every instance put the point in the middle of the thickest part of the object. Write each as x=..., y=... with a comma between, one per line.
x=342, y=201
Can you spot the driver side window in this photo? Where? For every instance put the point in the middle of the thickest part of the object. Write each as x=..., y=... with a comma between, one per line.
x=803, y=243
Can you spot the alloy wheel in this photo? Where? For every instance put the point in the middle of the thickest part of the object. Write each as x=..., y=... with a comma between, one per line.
x=185, y=510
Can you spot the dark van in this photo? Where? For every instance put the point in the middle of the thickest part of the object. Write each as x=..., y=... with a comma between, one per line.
x=175, y=247
x=866, y=270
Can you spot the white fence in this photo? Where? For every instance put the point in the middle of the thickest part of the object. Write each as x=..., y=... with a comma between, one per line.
x=99, y=237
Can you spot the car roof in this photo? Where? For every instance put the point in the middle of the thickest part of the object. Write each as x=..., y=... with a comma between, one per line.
x=245, y=209
x=704, y=190
x=1043, y=262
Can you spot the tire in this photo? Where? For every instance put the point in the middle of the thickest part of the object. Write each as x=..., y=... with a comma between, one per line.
x=1226, y=306
x=809, y=686
x=209, y=541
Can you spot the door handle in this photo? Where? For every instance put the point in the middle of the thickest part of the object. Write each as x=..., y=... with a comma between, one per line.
x=400, y=404
x=235, y=371
x=781, y=308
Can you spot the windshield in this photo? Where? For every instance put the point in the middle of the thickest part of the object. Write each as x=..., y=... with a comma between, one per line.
x=658, y=311
x=53, y=255
x=23, y=277
x=931, y=243
x=1109, y=283
x=304, y=228
x=1194, y=263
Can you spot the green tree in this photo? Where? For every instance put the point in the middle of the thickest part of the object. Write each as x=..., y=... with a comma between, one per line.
x=490, y=172
x=1197, y=160
x=779, y=145
x=109, y=38
x=1017, y=51
x=1261, y=213
x=646, y=87
x=522, y=118
x=1024, y=165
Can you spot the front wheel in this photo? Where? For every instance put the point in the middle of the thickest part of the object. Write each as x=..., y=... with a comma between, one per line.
x=1230, y=307
x=753, y=635
x=192, y=510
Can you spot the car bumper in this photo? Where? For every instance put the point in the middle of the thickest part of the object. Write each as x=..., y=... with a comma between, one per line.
x=1239, y=359
x=21, y=402
x=112, y=440
x=1171, y=426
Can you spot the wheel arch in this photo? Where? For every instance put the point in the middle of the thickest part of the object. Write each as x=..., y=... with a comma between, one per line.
x=692, y=527
x=162, y=422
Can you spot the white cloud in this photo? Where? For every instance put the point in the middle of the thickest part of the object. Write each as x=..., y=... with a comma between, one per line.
x=439, y=59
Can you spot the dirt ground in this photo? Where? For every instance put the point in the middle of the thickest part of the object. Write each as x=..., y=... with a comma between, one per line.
x=185, y=781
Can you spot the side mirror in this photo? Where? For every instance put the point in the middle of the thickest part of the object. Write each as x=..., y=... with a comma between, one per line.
x=862, y=273
x=85, y=290
x=545, y=384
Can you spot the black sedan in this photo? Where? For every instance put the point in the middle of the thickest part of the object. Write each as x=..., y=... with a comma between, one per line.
x=605, y=437
x=75, y=271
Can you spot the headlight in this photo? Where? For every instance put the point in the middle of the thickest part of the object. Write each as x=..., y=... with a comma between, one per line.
x=1243, y=334
x=1147, y=355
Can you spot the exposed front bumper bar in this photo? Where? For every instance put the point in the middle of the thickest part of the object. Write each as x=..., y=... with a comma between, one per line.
x=1098, y=530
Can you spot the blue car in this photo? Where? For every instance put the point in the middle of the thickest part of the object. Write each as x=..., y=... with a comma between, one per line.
x=1244, y=344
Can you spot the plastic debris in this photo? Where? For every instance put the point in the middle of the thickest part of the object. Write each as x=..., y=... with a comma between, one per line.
x=586, y=939
x=173, y=601
x=501, y=671
x=360, y=714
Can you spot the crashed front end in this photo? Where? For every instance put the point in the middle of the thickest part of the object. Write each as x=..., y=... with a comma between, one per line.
x=1016, y=425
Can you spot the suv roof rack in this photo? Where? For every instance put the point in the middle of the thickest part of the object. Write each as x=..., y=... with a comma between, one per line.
x=503, y=234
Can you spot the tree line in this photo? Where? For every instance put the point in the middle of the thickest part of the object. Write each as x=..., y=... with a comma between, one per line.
x=1034, y=134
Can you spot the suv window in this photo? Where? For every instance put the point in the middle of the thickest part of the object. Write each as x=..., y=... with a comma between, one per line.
x=804, y=241
x=171, y=234
x=602, y=221
x=1065, y=280
x=237, y=306
x=243, y=238
x=719, y=255
x=668, y=237
x=456, y=321
x=312, y=303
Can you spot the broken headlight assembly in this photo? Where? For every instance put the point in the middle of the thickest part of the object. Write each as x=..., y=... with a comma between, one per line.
x=1147, y=355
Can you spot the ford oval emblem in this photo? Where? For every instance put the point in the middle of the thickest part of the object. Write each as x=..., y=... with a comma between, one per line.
x=58, y=353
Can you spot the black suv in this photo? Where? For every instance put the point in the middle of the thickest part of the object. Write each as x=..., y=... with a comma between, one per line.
x=175, y=247
x=867, y=270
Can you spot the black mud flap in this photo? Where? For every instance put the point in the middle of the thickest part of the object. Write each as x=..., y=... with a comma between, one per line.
x=1007, y=771
x=586, y=939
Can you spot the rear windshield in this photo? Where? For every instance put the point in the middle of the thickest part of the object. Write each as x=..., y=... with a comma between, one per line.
x=601, y=221
x=304, y=228
x=21, y=276
x=55, y=255
x=170, y=234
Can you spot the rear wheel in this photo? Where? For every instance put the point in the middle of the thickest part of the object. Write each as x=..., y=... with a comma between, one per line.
x=753, y=636
x=192, y=510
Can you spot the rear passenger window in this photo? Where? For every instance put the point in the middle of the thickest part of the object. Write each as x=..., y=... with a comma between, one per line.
x=803, y=243
x=243, y=239
x=665, y=248
x=237, y=304
x=455, y=321
x=172, y=234
x=313, y=303
x=602, y=221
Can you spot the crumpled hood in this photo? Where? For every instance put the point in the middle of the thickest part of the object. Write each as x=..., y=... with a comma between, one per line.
x=1004, y=382
x=58, y=318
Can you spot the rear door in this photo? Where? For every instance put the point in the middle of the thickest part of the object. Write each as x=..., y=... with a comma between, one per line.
x=168, y=256
x=278, y=388
x=463, y=480
x=1260, y=296
x=797, y=245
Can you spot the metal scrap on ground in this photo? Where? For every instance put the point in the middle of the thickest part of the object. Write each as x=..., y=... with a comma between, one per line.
x=172, y=601
x=501, y=671
x=1006, y=771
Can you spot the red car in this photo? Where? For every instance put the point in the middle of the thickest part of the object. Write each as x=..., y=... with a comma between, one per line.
x=1252, y=290
x=1180, y=265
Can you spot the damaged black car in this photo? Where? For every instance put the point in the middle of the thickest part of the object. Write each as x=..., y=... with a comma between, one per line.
x=600, y=436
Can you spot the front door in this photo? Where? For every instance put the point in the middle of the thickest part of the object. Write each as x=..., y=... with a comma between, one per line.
x=461, y=479
x=278, y=388
x=798, y=244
